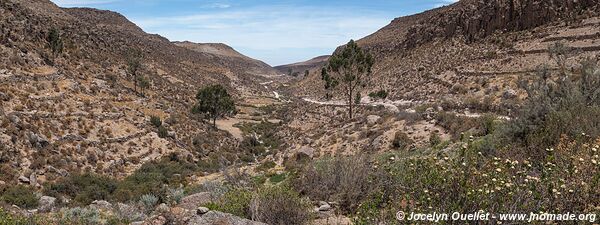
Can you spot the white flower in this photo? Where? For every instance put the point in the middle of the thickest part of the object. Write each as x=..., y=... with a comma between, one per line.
x=571, y=191
x=581, y=159
x=498, y=170
x=594, y=162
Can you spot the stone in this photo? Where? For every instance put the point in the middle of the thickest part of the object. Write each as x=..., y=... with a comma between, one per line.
x=509, y=94
x=373, y=119
x=191, y=202
x=101, y=205
x=24, y=179
x=324, y=206
x=46, y=204
x=202, y=210
x=305, y=151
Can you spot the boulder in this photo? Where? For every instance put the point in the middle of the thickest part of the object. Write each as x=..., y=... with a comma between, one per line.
x=509, y=94
x=192, y=202
x=202, y=210
x=373, y=119
x=324, y=206
x=46, y=204
x=101, y=205
x=305, y=151
x=215, y=217
x=24, y=179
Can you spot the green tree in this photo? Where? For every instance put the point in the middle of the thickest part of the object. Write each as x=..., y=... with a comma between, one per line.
x=134, y=63
x=348, y=67
x=54, y=41
x=144, y=84
x=214, y=102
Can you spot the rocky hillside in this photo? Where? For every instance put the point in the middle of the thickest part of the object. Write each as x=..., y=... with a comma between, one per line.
x=78, y=110
x=230, y=57
x=472, y=48
x=300, y=68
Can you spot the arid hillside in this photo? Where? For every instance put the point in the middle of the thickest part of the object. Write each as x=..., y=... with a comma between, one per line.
x=472, y=48
x=76, y=108
x=301, y=67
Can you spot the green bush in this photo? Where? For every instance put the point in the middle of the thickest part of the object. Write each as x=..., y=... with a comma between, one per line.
x=155, y=121
x=234, y=201
x=568, y=106
x=277, y=178
x=83, y=188
x=151, y=178
x=279, y=205
x=19, y=195
x=401, y=141
x=382, y=94
x=341, y=179
x=162, y=132
x=9, y=219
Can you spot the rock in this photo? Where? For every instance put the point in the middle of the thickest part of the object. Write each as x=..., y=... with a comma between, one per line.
x=33, y=179
x=38, y=140
x=373, y=119
x=24, y=179
x=305, y=151
x=101, y=205
x=324, y=206
x=509, y=94
x=46, y=204
x=162, y=208
x=202, y=210
x=191, y=202
x=215, y=217
x=156, y=220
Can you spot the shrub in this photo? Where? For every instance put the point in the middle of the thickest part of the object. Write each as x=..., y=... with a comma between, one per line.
x=234, y=201
x=83, y=188
x=434, y=139
x=162, y=132
x=9, y=219
x=279, y=205
x=80, y=216
x=151, y=178
x=341, y=179
x=175, y=195
x=382, y=94
x=155, y=120
x=21, y=196
x=266, y=166
x=401, y=141
x=277, y=178
x=566, y=106
x=148, y=201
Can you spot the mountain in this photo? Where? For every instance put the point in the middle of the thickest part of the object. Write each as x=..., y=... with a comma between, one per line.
x=471, y=49
x=231, y=57
x=301, y=67
x=79, y=110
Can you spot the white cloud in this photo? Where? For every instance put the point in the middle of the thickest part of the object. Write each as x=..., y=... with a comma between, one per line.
x=266, y=29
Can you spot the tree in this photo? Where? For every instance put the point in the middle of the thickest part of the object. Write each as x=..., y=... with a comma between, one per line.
x=144, y=84
x=214, y=102
x=54, y=42
x=306, y=73
x=134, y=63
x=348, y=67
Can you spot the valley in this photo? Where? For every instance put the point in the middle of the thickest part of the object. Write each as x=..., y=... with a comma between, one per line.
x=478, y=105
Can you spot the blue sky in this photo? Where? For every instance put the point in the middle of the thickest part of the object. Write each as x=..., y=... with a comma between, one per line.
x=275, y=31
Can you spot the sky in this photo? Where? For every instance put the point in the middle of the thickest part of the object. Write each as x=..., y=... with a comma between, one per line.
x=275, y=31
